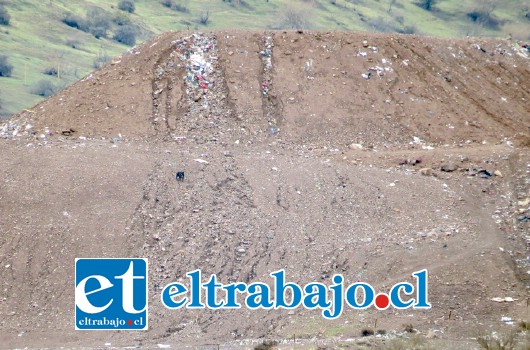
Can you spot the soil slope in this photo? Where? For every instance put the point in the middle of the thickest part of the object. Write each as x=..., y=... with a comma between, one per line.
x=302, y=151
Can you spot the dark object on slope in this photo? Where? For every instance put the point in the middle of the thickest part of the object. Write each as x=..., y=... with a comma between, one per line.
x=180, y=176
x=485, y=174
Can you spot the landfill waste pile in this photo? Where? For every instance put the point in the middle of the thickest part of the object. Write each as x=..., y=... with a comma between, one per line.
x=266, y=85
x=198, y=54
x=240, y=153
x=519, y=48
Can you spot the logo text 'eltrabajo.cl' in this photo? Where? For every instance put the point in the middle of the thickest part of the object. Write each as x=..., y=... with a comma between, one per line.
x=330, y=299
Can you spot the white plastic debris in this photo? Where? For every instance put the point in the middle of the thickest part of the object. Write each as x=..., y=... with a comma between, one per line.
x=507, y=320
x=503, y=300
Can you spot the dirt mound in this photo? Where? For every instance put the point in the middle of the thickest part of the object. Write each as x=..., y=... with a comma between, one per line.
x=442, y=90
x=302, y=151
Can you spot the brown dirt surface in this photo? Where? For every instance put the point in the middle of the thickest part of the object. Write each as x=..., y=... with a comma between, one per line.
x=309, y=167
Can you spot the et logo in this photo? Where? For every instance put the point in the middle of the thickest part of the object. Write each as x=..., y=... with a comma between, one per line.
x=111, y=294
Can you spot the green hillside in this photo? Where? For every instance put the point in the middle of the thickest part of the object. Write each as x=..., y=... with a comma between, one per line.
x=40, y=46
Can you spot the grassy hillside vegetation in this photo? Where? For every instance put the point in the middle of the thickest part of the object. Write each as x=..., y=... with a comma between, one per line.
x=52, y=43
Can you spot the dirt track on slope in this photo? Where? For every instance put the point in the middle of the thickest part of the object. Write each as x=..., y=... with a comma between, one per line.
x=304, y=164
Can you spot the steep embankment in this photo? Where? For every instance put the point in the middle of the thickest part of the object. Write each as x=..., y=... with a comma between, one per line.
x=299, y=150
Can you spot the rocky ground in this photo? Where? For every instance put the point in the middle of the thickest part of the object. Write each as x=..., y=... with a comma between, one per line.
x=368, y=155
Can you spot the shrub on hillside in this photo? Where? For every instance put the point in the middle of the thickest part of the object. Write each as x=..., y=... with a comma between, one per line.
x=101, y=60
x=74, y=21
x=121, y=19
x=52, y=71
x=409, y=29
x=5, y=18
x=295, y=17
x=380, y=24
x=266, y=345
x=125, y=35
x=204, y=18
x=44, y=88
x=427, y=4
x=167, y=3
x=482, y=13
x=126, y=5
x=181, y=7
x=483, y=18
x=5, y=68
x=243, y=3
x=98, y=22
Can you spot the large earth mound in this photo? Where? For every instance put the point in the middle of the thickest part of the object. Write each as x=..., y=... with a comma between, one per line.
x=301, y=151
